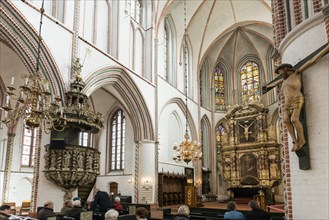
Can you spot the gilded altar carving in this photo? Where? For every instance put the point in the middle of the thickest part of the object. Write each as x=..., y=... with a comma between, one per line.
x=249, y=154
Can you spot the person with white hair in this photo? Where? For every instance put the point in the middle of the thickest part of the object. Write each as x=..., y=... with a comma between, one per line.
x=111, y=215
x=183, y=213
x=76, y=210
x=46, y=211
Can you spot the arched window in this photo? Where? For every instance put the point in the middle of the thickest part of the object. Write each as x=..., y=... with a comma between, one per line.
x=28, y=148
x=84, y=139
x=117, y=152
x=137, y=10
x=250, y=89
x=219, y=88
x=220, y=136
x=169, y=51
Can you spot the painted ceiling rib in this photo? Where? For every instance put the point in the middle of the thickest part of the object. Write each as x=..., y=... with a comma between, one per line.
x=205, y=29
x=267, y=6
x=233, y=11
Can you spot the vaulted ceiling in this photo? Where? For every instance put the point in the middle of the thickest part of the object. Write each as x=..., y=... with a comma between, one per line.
x=222, y=28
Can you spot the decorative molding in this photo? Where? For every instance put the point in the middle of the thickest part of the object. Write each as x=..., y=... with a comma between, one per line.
x=299, y=30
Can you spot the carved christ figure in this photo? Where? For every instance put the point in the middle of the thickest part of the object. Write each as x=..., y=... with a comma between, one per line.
x=294, y=100
x=246, y=129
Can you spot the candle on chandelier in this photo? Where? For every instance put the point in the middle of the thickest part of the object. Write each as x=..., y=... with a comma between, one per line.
x=12, y=80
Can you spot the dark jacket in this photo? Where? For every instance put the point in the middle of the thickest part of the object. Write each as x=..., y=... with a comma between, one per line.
x=181, y=217
x=4, y=216
x=258, y=214
x=65, y=210
x=75, y=212
x=45, y=212
x=102, y=199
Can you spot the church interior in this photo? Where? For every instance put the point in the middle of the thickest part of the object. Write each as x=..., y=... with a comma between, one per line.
x=165, y=102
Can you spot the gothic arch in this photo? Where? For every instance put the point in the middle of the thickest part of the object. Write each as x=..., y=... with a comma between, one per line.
x=180, y=103
x=207, y=147
x=127, y=89
x=22, y=38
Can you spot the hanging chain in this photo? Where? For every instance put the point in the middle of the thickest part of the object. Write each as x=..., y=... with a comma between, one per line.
x=42, y=10
x=185, y=66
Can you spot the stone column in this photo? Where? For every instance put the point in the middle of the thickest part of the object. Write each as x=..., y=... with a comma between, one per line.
x=7, y=171
x=146, y=170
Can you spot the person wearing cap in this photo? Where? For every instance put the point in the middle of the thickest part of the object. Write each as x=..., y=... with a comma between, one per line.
x=294, y=100
x=46, y=211
x=76, y=198
x=5, y=212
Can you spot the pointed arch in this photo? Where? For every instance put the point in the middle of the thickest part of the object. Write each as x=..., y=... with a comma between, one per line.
x=180, y=103
x=127, y=89
x=170, y=50
x=205, y=85
x=206, y=142
x=22, y=38
x=139, y=52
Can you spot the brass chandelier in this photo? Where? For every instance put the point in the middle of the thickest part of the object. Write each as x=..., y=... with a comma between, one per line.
x=33, y=101
x=187, y=150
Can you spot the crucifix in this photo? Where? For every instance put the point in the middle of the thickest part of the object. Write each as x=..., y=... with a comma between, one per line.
x=246, y=129
x=291, y=90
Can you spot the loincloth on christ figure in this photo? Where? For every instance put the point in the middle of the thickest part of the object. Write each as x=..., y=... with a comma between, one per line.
x=295, y=103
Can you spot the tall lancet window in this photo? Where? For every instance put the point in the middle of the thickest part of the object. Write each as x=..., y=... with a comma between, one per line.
x=220, y=137
x=219, y=89
x=28, y=148
x=250, y=89
x=117, y=154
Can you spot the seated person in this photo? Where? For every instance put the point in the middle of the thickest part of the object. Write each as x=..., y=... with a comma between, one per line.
x=5, y=212
x=76, y=210
x=256, y=213
x=46, y=211
x=183, y=213
x=67, y=207
x=141, y=213
x=111, y=215
x=232, y=212
x=117, y=204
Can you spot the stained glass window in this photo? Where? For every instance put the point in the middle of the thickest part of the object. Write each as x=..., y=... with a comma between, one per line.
x=250, y=89
x=84, y=139
x=220, y=135
x=28, y=148
x=117, y=153
x=219, y=89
